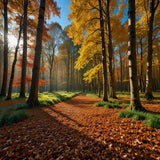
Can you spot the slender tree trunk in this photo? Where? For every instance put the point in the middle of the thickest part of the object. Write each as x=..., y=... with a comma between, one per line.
x=68, y=57
x=24, y=58
x=5, y=52
x=112, y=93
x=14, y=63
x=148, y=92
x=104, y=61
x=134, y=91
x=99, y=85
x=121, y=73
x=50, y=79
x=33, y=95
x=141, y=75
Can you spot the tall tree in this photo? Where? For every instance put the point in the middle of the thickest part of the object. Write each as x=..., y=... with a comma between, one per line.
x=5, y=52
x=153, y=6
x=51, y=7
x=135, y=103
x=112, y=93
x=24, y=61
x=33, y=95
x=104, y=62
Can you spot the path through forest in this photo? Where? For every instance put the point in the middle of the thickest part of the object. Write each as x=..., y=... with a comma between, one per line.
x=75, y=129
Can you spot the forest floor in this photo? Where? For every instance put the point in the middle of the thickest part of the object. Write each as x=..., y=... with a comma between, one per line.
x=75, y=129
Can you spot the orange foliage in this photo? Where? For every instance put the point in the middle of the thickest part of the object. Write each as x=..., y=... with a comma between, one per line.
x=30, y=59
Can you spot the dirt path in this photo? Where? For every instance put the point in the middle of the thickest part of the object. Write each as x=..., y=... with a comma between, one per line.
x=75, y=129
x=10, y=103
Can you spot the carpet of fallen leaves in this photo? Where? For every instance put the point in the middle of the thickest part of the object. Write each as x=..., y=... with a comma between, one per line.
x=75, y=129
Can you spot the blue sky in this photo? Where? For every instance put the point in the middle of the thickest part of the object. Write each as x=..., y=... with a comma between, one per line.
x=63, y=20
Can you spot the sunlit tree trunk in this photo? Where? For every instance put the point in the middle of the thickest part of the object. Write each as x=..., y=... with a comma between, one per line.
x=112, y=93
x=14, y=63
x=24, y=58
x=5, y=52
x=148, y=92
x=33, y=95
x=104, y=61
x=134, y=91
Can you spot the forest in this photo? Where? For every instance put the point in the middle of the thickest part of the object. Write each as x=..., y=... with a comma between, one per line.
x=87, y=90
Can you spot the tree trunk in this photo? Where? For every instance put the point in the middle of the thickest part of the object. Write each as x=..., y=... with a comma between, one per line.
x=112, y=93
x=68, y=57
x=50, y=79
x=99, y=85
x=141, y=75
x=5, y=52
x=121, y=73
x=24, y=58
x=33, y=95
x=105, y=79
x=134, y=91
x=14, y=63
x=148, y=92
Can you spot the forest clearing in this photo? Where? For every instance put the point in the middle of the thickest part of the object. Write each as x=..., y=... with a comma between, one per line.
x=79, y=79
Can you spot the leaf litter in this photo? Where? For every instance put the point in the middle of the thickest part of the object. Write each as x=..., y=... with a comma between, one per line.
x=75, y=129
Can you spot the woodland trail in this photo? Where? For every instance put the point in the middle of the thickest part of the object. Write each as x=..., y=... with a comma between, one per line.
x=75, y=129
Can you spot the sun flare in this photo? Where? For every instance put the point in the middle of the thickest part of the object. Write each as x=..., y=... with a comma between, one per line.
x=12, y=41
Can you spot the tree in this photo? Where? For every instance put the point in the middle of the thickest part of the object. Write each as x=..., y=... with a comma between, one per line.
x=49, y=47
x=5, y=52
x=14, y=62
x=104, y=62
x=24, y=61
x=134, y=91
x=112, y=93
x=33, y=95
x=153, y=6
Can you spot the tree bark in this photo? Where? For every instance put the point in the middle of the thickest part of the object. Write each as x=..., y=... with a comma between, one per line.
x=121, y=88
x=148, y=92
x=134, y=91
x=24, y=58
x=5, y=52
x=68, y=58
x=14, y=63
x=104, y=61
x=33, y=95
x=112, y=93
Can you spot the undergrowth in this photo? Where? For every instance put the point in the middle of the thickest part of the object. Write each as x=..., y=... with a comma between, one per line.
x=108, y=104
x=112, y=104
x=8, y=117
x=152, y=120
x=16, y=113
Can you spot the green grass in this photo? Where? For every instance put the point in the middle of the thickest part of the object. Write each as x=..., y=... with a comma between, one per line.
x=47, y=99
x=152, y=120
x=8, y=117
x=109, y=104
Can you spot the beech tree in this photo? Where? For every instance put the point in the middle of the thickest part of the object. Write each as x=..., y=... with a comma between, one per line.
x=153, y=6
x=33, y=95
x=4, y=3
x=24, y=61
x=135, y=103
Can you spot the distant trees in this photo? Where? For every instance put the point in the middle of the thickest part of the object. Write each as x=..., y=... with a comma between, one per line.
x=49, y=48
